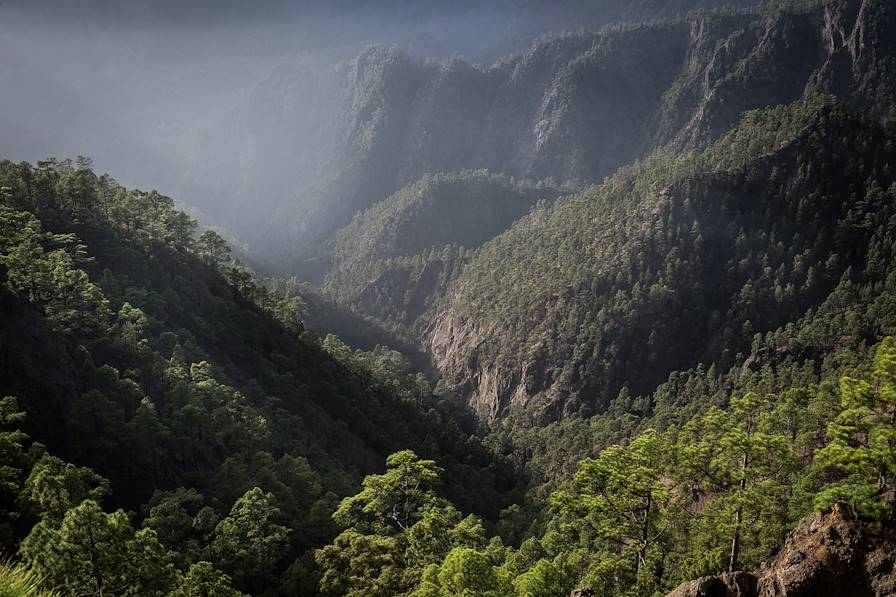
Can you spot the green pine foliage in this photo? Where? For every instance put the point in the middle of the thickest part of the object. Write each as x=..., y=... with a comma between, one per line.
x=862, y=450
x=715, y=494
x=172, y=410
x=19, y=581
x=679, y=261
x=671, y=368
x=394, y=528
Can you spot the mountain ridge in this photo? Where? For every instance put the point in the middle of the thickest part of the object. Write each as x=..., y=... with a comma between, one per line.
x=572, y=107
x=547, y=317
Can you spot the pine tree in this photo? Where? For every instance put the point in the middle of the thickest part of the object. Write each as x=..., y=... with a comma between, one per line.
x=862, y=447
x=394, y=528
x=742, y=461
x=621, y=508
x=95, y=553
x=250, y=541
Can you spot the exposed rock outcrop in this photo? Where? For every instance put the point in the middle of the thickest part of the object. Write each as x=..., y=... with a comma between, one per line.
x=739, y=584
x=834, y=554
x=572, y=107
x=726, y=65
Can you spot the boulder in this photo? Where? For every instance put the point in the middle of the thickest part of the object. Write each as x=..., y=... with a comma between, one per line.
x=739, y=584
x=831, y=554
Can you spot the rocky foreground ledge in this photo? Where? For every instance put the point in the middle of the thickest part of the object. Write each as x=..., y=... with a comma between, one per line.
x=833, y=554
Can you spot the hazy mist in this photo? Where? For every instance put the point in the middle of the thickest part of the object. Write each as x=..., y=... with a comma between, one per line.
x=230, y=104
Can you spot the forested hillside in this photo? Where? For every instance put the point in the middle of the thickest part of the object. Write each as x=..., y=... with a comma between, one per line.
x=675, y=262
x=393, y=257
x=153, y=374
x=614, y=313
x=678, y=261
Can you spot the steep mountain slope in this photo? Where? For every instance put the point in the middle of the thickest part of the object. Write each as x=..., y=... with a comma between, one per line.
x=141, y=352
x=670, y=263
x=411, y=230
x=573, y=107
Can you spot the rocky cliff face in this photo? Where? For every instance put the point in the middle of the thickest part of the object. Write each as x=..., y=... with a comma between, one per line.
x=577, y=107
x=572, y=107
x=622, y=285
x=828, y=555
x=727, y=65
x=844, y=48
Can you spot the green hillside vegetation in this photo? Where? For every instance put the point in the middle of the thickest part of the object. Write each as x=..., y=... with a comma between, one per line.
x=718, y=492
x=642, y=375
x=168, y=405
x=393, y=257
x=679, y=261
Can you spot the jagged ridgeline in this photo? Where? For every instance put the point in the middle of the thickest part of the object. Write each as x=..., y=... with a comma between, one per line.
x=573, y=107
x=678, y=260
x=574, y=112
x=140, y=351
x=672, y=312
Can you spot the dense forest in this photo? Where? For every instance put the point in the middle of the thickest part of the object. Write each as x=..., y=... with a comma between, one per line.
x=688, y=257
x=147, y=371
x=166, y=407
x=393, y=257
x=613, y=314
